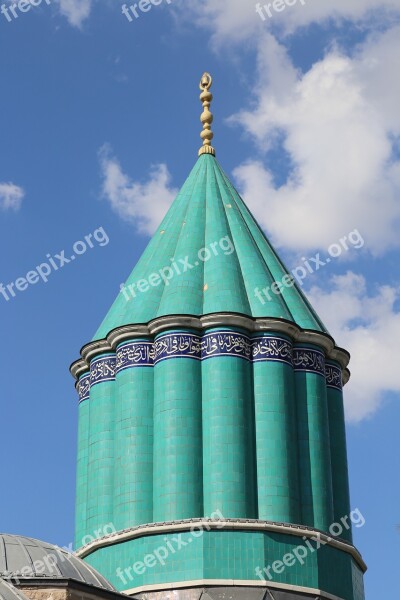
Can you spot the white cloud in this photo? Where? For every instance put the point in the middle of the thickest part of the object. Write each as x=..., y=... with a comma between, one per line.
x=369, y=327
x=76, y=11
x=144, y=204
x=11, y=196
x=229, y=20
x=315, y=11
x=339, y=122
x=236, y=20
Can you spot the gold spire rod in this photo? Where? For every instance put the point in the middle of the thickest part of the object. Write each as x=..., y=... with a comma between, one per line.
x=207, y=117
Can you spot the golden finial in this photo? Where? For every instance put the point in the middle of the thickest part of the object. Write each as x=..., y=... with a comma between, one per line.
x=207, y=117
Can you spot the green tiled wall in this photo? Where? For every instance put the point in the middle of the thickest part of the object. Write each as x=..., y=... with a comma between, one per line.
x=225, y=554
x=276, y=437
x=133, y=466
x=228, y=437
x=314, y=450
x=100, y=492
x=358, y=582
x=177, y=440
x=249, y=440
x=82, y=473
x=340, y=478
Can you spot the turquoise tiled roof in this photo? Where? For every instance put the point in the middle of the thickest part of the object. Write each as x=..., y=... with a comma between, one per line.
x=208, y=213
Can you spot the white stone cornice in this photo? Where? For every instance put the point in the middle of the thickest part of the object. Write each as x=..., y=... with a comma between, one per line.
x=229, y=583
x=122, y=334
x=227, y=320
x=215, y=320
x=219, y=525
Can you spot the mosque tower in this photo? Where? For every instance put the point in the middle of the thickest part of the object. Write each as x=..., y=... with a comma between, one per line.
x=211, y=423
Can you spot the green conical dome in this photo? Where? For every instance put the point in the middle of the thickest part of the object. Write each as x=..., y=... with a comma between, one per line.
x=211, y=412
x=235, y=260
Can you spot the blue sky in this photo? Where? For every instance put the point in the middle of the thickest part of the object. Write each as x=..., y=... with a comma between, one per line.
x=99, y=126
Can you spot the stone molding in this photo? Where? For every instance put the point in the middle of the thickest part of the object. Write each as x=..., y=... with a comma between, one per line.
x=220, y=524
x=229, y=583
x=249, y=325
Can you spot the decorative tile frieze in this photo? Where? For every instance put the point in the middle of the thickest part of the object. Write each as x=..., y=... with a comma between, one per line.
x=272, y=349
x=333, y=377
x=177, y=345
x=102, y=369
x=308, y=360
x=225, y=343
x=206, y=322
x=135, y=354
x=83, y=388
x=143, y=353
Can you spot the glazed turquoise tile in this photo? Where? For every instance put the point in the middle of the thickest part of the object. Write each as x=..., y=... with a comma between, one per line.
x=207, y=210
x=227, y=555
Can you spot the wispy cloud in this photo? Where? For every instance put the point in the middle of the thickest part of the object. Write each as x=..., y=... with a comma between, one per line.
x=234, y=21
x=11, y=196
x=368, y=325
x=143, y=204
x=339, y=124
x=76, y=11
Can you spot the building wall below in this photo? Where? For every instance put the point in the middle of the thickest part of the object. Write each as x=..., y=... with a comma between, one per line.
x=151, y=562
x=44, y=593
x=231, y=592
x=64, y=589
